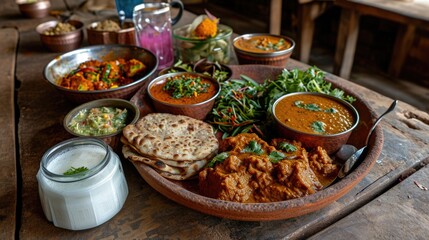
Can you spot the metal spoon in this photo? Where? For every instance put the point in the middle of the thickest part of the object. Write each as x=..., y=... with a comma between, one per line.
x=351, y=161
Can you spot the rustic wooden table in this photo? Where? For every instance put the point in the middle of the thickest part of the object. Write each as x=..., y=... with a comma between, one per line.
x=410, y=14
x=391, y=201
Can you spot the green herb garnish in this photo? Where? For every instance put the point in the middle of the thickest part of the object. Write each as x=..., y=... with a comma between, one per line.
x=331, y=110
x=276, y=156
x=73, y=170
x=253, y=147
x=185, y=86
x=218, y=159
x=318, y=126
x=287, y=147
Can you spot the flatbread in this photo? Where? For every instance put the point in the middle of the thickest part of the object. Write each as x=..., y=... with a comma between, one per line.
x=174, y=163
x=172, y=137
x=171, y=172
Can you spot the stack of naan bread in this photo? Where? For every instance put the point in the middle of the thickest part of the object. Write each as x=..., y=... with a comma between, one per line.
x=176, y=146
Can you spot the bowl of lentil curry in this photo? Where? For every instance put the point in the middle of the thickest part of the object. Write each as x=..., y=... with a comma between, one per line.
x=315, y=119
x=261, y=48
x=183, y=93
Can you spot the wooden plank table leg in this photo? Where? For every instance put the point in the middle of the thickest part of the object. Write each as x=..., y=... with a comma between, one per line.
x=275, y=16
x=307, y=29
x=403, y=43
x=346, y=43
x=308, y=12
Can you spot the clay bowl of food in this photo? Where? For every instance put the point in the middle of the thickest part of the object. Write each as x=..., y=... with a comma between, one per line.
x=61, y=37
x=315, y=119
x=34, y=8
x=102, y=118
x=110, y=32
x=262, y=48
x=189, y=94
x=101, y=71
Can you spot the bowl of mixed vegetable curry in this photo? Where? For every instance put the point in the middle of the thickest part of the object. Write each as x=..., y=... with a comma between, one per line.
x=101, y=71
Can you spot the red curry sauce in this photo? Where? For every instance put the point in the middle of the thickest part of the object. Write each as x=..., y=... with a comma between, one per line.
x=162, y=95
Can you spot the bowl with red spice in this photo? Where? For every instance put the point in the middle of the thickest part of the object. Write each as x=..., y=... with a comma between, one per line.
x=183, y=93
x=262, y=48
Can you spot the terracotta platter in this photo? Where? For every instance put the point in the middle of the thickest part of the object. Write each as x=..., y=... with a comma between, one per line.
x=186, y=192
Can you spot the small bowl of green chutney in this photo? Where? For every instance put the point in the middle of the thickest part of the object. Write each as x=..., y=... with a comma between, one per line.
x=102, y=118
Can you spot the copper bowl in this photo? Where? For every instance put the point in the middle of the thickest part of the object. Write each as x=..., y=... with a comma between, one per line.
x=36, y=9
x=62, y=65
x=197, y=110
x=112, y=139
x=126, y=35
x=276, y=58
x=61, y=42
x=330, y=142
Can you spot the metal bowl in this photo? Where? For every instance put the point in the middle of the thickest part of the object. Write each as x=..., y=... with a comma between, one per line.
x=37, y=9
x=124, y=36
x=330, y=142
x=64, y=64
x=197, y=110
x=61, y=42
x=274, y=58
x=113, y=138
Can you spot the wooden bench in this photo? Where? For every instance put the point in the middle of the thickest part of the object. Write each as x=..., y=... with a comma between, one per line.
x=410, y=14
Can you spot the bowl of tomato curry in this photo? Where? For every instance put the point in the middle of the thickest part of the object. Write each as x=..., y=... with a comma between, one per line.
x=315, y=119
x=183, y=93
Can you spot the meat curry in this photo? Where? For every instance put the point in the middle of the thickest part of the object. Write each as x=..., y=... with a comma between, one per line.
x=251, y=170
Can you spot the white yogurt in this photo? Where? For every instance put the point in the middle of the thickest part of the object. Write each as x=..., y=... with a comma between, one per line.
x=83, y=200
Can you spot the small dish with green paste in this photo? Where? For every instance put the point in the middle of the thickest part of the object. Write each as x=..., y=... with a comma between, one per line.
x=101, y=118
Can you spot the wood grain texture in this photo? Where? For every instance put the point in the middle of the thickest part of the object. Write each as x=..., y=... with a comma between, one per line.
x=8, y=169
x=389, y=215
x=147, y=213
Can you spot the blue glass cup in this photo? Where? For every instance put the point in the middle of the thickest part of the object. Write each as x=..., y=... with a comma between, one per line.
x=126, y=7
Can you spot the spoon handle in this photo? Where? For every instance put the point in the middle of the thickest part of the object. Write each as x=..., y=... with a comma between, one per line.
x=391, y=108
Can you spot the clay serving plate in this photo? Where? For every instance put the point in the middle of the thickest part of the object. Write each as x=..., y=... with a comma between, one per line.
x=186, y=192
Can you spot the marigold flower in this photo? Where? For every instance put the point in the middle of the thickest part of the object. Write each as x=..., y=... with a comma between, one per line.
x=207, y=28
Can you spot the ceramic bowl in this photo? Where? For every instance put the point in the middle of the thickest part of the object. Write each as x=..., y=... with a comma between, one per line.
x=62, y=65
x=330, y=142
x=112, y=139
x=97, y=35
x=216, y=49
x=62, y=42
x=252, y=55
x=196, y=110
x=34, y=9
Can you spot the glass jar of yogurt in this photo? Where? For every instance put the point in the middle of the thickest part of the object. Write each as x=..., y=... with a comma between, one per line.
x=81, y=183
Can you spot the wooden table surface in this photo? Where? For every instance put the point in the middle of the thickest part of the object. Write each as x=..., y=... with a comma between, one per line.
x=391, y=201
x=409, y=14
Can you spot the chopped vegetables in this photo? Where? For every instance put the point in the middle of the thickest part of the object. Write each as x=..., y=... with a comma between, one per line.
x=99, y=121
x=97, y=75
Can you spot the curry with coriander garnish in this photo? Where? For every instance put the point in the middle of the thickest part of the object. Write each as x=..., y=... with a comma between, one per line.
x=281, y=81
